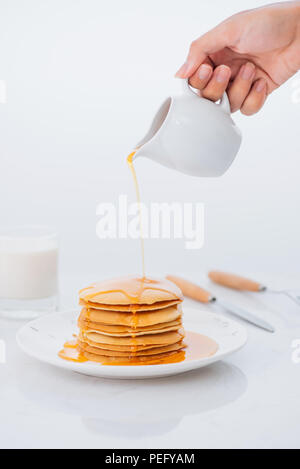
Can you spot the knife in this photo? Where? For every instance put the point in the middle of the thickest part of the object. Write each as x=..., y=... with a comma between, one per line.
x=197, y=293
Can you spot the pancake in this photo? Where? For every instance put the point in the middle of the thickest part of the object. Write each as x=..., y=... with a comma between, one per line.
x=124, y=348
x=165, y=338
x=112, y=353
x=134, y=333
x=108, y=328
x=86, y=324
x=140, y=360
x=131, y=291
x=129, y=321
x=137, y=319
x=129, y=308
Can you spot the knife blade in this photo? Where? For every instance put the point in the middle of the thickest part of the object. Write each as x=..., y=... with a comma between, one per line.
x=246, y=315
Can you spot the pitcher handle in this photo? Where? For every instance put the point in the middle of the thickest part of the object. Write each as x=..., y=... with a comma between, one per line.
x=186, y=87
x=224, y=103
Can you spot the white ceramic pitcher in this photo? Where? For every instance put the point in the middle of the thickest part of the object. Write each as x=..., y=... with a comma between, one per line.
x=193, y=135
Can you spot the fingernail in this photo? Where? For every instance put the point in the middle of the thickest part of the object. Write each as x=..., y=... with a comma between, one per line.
x=204, y=71
x=260, y=85
x=222, y=74
x=183, y=71
x=248, y=71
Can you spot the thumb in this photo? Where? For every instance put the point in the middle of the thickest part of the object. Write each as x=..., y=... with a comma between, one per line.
x=212, y=41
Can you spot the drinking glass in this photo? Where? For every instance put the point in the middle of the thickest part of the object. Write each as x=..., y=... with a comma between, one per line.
x=28, y=271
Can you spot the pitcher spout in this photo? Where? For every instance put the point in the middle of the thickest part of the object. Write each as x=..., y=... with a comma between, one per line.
x=154, y=151
x=150, y=146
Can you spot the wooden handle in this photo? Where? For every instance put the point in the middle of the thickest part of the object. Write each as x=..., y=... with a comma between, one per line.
x=234, y=281
x=191, y=289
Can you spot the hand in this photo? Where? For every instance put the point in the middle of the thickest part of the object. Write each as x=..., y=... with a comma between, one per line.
x=249, y=55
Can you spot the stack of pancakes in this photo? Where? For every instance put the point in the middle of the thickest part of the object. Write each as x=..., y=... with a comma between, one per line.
x=131, y=320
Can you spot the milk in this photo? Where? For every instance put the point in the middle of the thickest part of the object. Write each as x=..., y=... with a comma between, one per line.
x=28, y=275
x=28, y=270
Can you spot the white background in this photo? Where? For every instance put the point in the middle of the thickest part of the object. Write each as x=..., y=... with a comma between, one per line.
x=84, y=78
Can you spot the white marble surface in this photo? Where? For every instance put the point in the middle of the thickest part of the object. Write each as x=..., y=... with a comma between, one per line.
x=248, y=401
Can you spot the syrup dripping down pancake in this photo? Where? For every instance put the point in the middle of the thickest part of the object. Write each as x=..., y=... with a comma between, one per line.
x=127, y=330
x=125, y=348
x=165, y=338
x=134, y=332
x=86, y=324
x=136, y=319
x=113, y=353
x=129, y=308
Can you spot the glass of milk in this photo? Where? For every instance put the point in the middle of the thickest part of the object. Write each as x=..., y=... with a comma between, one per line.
x=28, y=271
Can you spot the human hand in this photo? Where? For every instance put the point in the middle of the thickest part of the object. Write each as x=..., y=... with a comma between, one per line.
x=249, y=55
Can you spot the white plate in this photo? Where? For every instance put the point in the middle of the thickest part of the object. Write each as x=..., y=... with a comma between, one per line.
x=44, y=337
